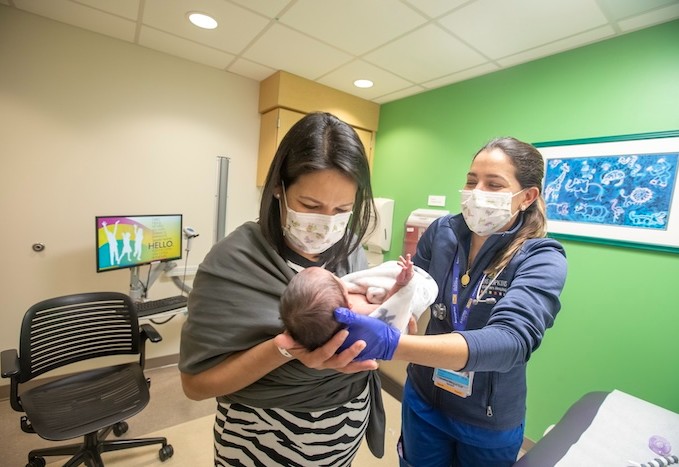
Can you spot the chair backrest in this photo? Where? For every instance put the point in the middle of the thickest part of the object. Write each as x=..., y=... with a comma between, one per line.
x=72, y=328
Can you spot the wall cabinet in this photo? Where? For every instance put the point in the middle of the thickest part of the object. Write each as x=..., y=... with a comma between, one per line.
x=274, y=125
x=285, y=98
x=368, y=140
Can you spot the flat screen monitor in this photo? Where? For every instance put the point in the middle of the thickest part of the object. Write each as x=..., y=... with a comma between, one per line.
x=131, y=241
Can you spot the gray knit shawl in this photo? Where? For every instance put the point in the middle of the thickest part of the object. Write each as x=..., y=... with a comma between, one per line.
x=234, y=305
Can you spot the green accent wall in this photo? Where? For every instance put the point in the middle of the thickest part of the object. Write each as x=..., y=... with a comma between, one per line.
x=619, y=323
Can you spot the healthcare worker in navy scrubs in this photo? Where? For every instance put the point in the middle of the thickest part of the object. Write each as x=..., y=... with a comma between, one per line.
x=499, y=279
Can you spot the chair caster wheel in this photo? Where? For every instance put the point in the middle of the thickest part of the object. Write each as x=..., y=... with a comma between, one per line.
x=120, y=428
x=165, y=452
x=36, y=462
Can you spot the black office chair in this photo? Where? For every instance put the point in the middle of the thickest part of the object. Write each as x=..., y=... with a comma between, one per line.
x=91, y=403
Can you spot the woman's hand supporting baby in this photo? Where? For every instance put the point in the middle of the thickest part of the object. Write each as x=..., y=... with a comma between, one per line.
x=336, y=354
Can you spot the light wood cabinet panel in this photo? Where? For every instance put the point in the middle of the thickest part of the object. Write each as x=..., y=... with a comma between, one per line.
x=367, y=138
x=273, y=127
x=285, y=98
x=294, y=92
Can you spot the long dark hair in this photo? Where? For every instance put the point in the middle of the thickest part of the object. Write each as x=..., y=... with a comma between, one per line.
x=319, y=141
x=529, y=169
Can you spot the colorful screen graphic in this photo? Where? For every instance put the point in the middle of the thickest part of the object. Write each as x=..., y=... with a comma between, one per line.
x=129, y=241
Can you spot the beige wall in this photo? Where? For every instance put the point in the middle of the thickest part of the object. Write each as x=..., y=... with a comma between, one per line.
x=92, y=125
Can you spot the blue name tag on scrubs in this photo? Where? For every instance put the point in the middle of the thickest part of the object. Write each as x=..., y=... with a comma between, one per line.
x=457, y=382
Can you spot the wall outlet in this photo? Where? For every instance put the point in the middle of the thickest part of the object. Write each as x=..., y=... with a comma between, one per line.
x=436, y=200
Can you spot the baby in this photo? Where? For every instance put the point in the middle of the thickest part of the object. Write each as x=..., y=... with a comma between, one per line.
x=308, y=303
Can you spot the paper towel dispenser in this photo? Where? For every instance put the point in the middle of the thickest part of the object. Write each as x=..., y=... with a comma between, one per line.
x=382, y=220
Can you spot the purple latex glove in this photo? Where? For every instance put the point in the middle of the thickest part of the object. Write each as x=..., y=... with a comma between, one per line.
x=381, y=339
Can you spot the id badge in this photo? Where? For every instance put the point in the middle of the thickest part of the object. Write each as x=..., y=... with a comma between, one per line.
x=457, y=382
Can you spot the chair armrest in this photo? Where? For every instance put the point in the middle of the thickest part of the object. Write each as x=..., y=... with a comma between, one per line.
x=150, y=333
x=9, y=363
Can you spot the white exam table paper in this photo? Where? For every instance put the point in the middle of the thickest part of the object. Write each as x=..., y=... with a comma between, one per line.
x=620, y=432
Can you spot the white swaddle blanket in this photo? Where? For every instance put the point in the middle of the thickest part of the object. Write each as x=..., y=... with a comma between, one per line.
x=411, y=300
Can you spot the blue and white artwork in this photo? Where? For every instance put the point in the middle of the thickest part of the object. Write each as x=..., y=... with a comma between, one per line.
x=617, y=190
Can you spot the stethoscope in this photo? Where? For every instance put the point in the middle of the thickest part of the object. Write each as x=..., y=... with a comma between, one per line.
x=440, y=310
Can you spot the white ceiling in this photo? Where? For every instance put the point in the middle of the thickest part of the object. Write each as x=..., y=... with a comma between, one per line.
x=404, y=46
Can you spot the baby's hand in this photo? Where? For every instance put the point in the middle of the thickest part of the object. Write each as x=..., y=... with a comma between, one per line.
x=407, y=271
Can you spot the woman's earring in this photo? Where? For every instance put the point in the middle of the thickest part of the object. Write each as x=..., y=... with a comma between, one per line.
x=277, y=196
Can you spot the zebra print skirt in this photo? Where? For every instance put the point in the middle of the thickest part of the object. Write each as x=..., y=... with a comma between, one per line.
x=252, y=437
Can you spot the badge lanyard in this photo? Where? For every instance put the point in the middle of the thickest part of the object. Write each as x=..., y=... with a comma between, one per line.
x=460, y=319
x=461, y=383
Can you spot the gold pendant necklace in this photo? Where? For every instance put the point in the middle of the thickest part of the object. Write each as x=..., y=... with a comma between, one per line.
x=464, y=280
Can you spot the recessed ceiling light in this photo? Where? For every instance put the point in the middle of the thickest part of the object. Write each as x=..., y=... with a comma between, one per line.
x=363, y=83
x=202, y=20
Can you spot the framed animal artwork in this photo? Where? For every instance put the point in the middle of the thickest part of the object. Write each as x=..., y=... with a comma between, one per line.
x=619, y=190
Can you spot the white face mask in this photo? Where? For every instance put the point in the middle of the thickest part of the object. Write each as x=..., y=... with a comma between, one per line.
x=486, y=212
x=313, y=233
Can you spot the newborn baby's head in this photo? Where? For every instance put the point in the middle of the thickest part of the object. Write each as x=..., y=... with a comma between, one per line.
x=308, y=303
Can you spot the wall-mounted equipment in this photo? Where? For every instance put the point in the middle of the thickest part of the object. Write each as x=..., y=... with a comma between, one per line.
x=379, y=241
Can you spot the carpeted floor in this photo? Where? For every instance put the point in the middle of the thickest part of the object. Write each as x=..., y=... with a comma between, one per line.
x=186, y=424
